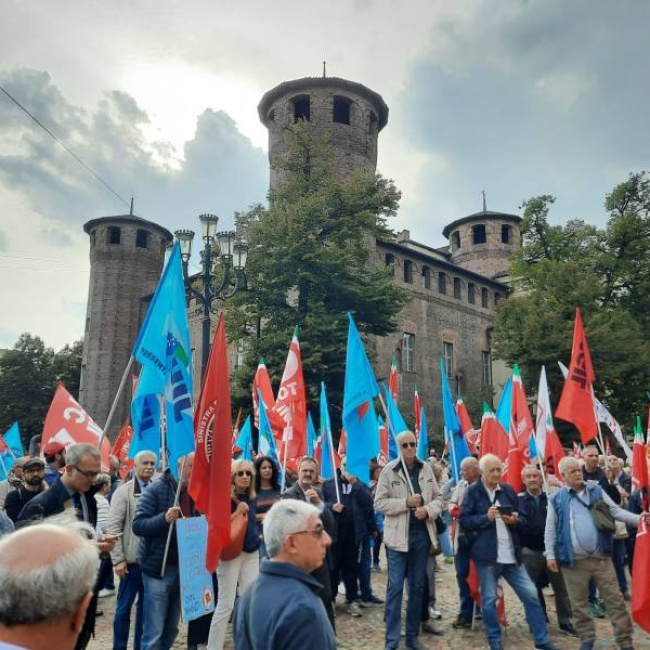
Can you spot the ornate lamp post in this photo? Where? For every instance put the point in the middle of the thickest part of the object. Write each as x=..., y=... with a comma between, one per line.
x=222, y=251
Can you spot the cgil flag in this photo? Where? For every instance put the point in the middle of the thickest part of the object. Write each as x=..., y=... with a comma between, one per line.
x=494, y=440
x=472, y=435
x=640, y=463
x=640, y=582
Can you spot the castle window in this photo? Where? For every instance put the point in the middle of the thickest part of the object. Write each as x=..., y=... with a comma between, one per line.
x=471, y=293
x=479, y=235
x=457, y=288
x=141, y=239
x=505, y=234
x=442, y=282
x=408, y=271
x=341, y=113
x=455, y=240
x=484, y=298
x=408, y=352
x=301, y=108
x=497, y=298
x=426, y=277
x=390, y=263
x=486, y=368
x=448, y=354
x=113, y=235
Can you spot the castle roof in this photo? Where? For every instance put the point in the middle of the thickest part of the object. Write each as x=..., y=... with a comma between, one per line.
x=129, y=219
x=483, y=215
x=301, y=85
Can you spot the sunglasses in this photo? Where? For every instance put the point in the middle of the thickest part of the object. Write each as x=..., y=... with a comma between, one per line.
x=244, y=472
x=316, y=532
x=406, y=445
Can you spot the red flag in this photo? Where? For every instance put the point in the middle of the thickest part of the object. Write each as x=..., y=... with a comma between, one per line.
x=554, y=452
x=576, y=402
x=494, y=440
x=475, y=592
x=416, y=406
x=121, y=449
x=640, y=462
x=521, y=421
x=393, y=380
x=471, y=434
x=640, y=581
x=210, y=481
x=514, y=464
x=343, y=444
x=4, y=447
x=68, y=423
x=262, y=382
x=291, y=405
x=383, y=442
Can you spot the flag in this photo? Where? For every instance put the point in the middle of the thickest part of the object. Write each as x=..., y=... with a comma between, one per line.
x=328, y=469
x=382, y=456
x=396, y=422
x=544, y=420
x=640, y=581
x=235, y=432
x=393, y=380
x=312, y=436
x=359, y=419
x=121, y=449
x=262, y=382
x=458, y=449
x=504, y=407
x=343, y=444
x=416, y=411
x=494, y=440
x=11, y=448
x=608, y=447
x=423, y=439
x=67, y=423
x=521, y=421
x=577, y=450
x=576, y=402
x=210, y=481
x=291, y=405
x=514, y=464
x=266, y=441
x=146, y=415
x=640, y=462
x=244, y=441
x=164, y=350
x=471, y=434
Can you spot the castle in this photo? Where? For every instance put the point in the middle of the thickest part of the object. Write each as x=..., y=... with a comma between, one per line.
x=455, y=289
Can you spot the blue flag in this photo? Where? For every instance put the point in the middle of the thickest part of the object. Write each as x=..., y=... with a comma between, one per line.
x=15, y=450
x=397, y=423
x=458, y=449
x=164, y=350
x=423, y=440
x=266, y=443
x=327, y=470
x=145, y=416
x=504, y=409
x=532, y=447
x=245, y=441
x=312, y=436
x=359, y=418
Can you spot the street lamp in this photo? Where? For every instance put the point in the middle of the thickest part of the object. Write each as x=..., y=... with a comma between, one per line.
x=221, y=249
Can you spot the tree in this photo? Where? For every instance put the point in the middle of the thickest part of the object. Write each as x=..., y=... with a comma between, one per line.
x=604, y=271
x=29, y=374
x=309, y=264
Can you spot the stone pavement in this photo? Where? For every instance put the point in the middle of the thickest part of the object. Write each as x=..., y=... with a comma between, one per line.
x=367, y=632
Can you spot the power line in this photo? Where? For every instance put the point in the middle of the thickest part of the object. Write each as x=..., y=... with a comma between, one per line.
x=60, y=142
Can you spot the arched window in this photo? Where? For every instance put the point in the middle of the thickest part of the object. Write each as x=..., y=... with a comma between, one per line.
x=301, y=108
x=479, y=235
x=408, y=271
x=141, y=239
x=471, y=293
x=484, y=298
x=506, y=237
x=114, y=235
x=426, y=277
x=457, y=288
x=341, y=112
x=442, y=283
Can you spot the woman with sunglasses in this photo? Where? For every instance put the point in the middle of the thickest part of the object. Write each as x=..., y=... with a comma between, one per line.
x=267, y=487
x=243, y=569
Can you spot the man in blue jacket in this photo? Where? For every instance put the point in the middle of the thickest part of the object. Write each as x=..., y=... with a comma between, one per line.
x=282, y=609
x=489, y=516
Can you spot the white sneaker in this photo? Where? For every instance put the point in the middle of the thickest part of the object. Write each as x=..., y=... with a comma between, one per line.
x=104, y=593
x=434, y=613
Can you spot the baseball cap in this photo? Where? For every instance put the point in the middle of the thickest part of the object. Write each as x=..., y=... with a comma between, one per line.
x=34, y=463
x=52, y=448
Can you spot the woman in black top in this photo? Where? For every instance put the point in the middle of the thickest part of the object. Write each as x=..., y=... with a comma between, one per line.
x=267, y=487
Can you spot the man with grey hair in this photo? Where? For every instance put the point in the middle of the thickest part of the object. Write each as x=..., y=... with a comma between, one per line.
x=125, y=554
x=47, y=574
x=574, y=542
x=282, y=609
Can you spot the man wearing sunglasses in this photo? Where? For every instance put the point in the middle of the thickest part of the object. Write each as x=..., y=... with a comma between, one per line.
x=410, y=506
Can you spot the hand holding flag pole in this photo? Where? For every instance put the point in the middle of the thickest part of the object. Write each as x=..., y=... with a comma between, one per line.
x=171, y=526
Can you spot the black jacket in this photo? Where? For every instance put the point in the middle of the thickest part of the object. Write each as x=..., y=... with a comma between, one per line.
x=599, y=476
x=532, y=520
x=16, y=500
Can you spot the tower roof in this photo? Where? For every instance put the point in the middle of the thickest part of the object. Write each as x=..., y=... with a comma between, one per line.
x=483, y=215
x=129, y=219
x=301, y=85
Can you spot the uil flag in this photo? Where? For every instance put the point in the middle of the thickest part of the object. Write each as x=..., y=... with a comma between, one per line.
x=359, y=419
x=328, y=457
x=312, y=436
x=266, y=442
x=393, y=380
x=291, y=405
x=396, y=423
x=416, y=411
x=522, y=421
x=640, y=462
x=494, y=439
x=640, y=582
x=423, y=437
x=245, y=441
x=210, y=481
x=11, y=448
x=458, y=449
x=576, y=402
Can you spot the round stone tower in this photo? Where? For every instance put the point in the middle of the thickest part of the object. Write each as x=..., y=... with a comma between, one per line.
x=126, y=259
x=483, y=242
x=350, y=114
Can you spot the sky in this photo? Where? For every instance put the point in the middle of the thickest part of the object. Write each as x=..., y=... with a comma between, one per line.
x=159, y=98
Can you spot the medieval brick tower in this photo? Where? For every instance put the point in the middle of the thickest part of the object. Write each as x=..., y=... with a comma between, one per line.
x=126, y=260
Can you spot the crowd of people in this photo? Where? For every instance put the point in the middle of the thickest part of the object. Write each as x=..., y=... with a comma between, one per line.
x=310, y=548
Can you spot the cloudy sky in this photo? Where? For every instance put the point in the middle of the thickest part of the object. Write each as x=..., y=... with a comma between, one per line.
x=517, y=98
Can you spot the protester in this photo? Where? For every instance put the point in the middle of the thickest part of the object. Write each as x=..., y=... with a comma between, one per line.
x=304, y=490
x=114, y=475
x=282, y=609
x=354, y=518
x=533, y=504
x=267, y=488
x=243, y=569
x=375, y=471
x=409, y=532
x=156, y=512
x=489, y=514
x=54, y=453
x=32, y=485
x=593, y=472
x=470, y=473
x=583, y=551
x=125, y=554
x=47, y=574
x=13, y=481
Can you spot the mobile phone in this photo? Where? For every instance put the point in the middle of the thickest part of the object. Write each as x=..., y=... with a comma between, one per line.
x=505, y=510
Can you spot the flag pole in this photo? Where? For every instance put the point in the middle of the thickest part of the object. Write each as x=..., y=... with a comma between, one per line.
x=285, y=439
x=171, y=527
x=600, y=432
x=163, y=433
x=120, y=388
x=399, y=451
x=328, y=433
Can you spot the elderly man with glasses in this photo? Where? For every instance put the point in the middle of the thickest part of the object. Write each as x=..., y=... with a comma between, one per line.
x=409, y=496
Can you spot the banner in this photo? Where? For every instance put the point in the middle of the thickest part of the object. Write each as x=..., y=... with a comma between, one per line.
x=197, y=595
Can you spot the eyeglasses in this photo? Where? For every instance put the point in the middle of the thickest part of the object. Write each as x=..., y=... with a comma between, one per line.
x=244, y=472
x=406, y=445
x=316, y=532
x=86, y=473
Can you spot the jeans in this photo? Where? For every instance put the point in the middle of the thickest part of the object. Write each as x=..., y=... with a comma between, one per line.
x=445, y=541
x=364, y=570
x=163, y=598
x=519, y=580
x=131, y=585
x=410, y=565
x=618, y=557
x=462, y=572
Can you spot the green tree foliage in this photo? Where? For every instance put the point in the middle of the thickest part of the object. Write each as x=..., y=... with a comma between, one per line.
x=309, y=264
x=29, y=375
x=604, y=271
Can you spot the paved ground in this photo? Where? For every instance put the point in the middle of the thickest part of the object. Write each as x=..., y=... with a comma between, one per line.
x=367, y=633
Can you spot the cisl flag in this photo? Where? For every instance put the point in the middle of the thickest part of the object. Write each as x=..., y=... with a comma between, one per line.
x=68, y=423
